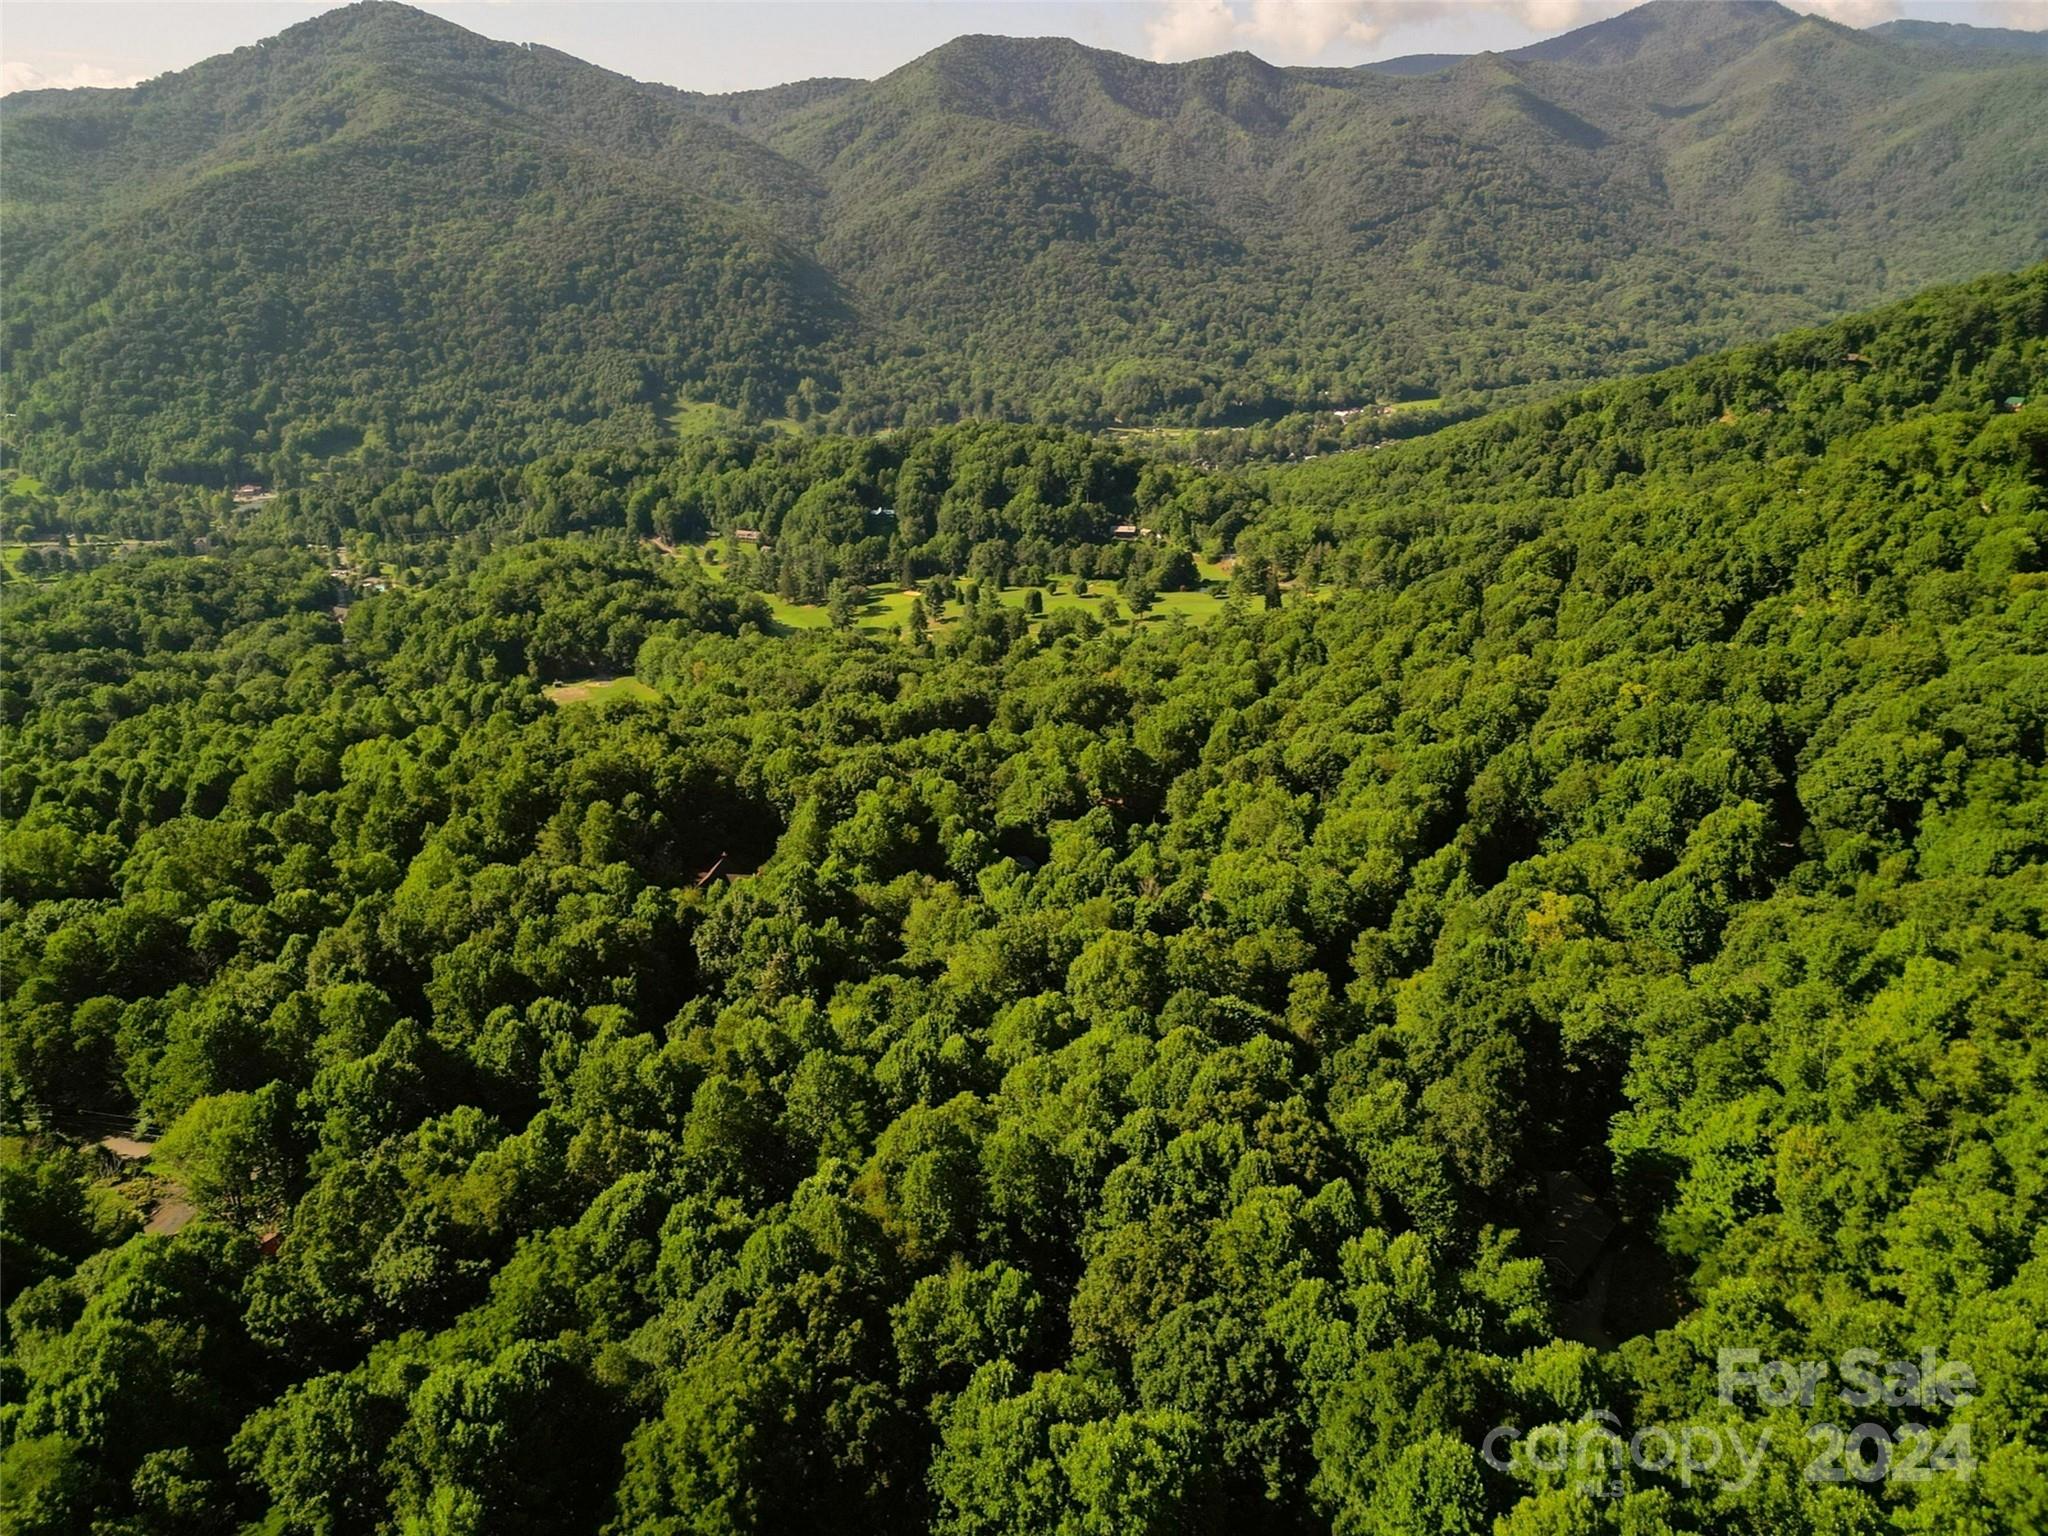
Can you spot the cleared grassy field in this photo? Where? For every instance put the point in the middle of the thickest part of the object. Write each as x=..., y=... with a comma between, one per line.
x=1198, y=607
x=597, y=690
x=700, y=418
x=887, y=608
x=12, y=551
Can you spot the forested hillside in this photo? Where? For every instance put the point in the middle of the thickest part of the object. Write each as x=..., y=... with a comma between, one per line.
x=1047, y=1076
x=381, y=241
x=1963, y=39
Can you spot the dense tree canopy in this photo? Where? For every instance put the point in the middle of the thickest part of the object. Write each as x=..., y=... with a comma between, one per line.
x=1040, y=1074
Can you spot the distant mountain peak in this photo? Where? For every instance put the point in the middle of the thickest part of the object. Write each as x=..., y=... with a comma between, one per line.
x=1955, y=36
x=380, y=216
x=364, y=18
x=1664, y=24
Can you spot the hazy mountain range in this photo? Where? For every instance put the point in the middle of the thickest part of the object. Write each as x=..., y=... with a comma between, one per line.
x=381, y=235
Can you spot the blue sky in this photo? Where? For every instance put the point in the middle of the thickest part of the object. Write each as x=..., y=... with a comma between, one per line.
x=720, y=45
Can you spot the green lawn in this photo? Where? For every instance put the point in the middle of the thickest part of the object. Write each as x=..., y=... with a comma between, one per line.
x=887, y=608
x=1198, y=606
x=805, y=615
x=711, y=554
x=1153, y=437
x=598, y=690
x=697, y=418
x=706, y=418
x=12, y=551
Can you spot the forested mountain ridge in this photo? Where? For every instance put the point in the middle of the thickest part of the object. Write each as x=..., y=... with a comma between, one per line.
x=380, y=229
x=979, y=498
x=497, y=250
x=1763, y=409
x=1963, y=39
x=1063, y=1077
x=1502, y=210
x=346, y=72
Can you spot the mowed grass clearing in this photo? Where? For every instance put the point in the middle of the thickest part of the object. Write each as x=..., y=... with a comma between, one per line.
x=600, y=690
x=887, y=608
x=707, y=418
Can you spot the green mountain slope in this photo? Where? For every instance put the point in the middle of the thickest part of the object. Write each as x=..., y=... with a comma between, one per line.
x=1720, y=433
x=1962, y=39
x=380, y=232
x=380, y=236
x=1676, y=177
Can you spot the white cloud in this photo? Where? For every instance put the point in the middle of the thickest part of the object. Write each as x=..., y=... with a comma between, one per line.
x=61, y=74
x=1852, y=13
x=1298, y=31
x=1560, y=15
x=1191, y=29
x=2027, y=15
